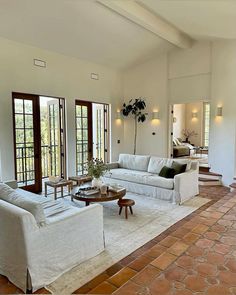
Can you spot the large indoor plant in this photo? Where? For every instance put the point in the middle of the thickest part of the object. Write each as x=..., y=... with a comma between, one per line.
x=96, y=169
x=136, y=110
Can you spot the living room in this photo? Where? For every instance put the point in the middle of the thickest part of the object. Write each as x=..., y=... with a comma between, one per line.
x=105, y=53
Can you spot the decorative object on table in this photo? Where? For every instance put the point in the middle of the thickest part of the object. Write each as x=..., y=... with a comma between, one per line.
x=103, y=189
x=115, y=188
x=89, y=190
x=55, y=179
x=96, y=169
x=188, y=134
x=136, y=110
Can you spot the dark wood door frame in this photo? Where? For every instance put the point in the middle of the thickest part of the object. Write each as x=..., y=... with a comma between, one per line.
x=37, y=187
x=37, y=135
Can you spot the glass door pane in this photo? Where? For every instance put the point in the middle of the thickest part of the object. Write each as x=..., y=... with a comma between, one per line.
x=83, y=119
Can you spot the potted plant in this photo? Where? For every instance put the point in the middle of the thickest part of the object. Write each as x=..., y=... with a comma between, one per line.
x=136, y=110
x=96, y=169
x=188, y=133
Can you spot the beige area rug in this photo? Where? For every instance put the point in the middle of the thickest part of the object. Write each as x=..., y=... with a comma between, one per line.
x=122, y=237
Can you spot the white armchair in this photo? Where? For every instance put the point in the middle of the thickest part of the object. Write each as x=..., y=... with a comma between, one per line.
x=32, y=256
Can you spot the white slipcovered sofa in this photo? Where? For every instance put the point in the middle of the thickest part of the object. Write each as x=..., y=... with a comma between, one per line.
x=41, y=243
x=140, y=174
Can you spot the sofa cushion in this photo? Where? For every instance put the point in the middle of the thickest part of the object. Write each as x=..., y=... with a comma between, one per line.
x=140, y=177
x=134, y=162
x=156, y=164
x=128, y=175
x=158, y=181
x=178, y=167
x=9, y=195
x=184, y=161
x=167, y=172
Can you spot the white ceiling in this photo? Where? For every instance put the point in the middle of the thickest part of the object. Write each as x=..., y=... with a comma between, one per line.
x=86, y=29
x=201, y=19
x=78, y=28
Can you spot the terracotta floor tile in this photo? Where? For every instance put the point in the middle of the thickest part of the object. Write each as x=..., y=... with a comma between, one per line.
x=195, y=251
x=206, y=269
x=231, y=241
x=222, y=248
x=103, y=288
x=190, y=238
x=180, y=232
x=122, y=276
x=218, y=290
x=139, y=263
x=97, y=280
x=114, y=269
x=195, y=283
x=200, y=229
x=185, y=261
x=211, y=235
x=130, y=288
x=178, y=248
x=231, y=264
x=164, y=260
x=227, y=278
x=215, y=258
x=156, y=251
x=175, y=273
x=160, y=286
x=204, y=243
x=146, y=275
x=168, y=241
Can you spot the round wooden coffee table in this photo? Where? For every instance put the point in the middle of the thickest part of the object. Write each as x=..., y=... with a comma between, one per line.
x=98, y=197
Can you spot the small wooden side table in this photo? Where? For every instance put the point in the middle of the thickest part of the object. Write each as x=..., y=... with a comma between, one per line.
x=126, y=203
x=61, y=184
x=80, y=179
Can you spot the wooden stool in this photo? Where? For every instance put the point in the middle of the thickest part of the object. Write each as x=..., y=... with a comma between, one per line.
x=126, y=203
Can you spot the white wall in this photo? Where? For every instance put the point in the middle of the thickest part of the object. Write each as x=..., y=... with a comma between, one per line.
x=195, y=124
x=223, y=89
x=64, y=77
x=148, y=80
x=190, y=73
x=179, y=125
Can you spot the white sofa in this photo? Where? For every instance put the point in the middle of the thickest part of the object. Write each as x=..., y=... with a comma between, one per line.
x=33, y=255
x=140, y=174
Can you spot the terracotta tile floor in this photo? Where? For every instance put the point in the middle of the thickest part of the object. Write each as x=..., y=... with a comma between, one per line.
x=197, y=255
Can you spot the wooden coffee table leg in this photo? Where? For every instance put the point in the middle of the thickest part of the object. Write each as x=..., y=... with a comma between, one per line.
x=126, y=212
x=87, y=203
x=62, y=191
x=45, y=190
x=131, y=210
x=120, y=210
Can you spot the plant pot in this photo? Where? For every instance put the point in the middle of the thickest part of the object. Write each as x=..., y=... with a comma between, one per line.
x=97, y=182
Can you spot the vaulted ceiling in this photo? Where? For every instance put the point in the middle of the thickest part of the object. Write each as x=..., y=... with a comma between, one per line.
x=117, y=36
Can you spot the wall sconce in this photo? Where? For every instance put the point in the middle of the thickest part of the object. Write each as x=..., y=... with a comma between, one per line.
x=118, y=115
x=155, y=115
x=219, y=111
x=194, y=115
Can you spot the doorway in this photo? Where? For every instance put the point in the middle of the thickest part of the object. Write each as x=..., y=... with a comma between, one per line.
x=92, y=133
x=39, y=139
x=190, y=127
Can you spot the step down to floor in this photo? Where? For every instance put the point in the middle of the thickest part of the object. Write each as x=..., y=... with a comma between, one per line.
x=210, y=173
x=233, y=185
x=208, y=181
x=204, y=168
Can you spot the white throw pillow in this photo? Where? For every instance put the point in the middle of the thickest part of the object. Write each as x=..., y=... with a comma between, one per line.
x=156, y=164
x=9, y=195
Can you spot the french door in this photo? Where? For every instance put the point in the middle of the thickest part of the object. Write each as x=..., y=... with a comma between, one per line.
x=84, y=143
x=92, y=133
x=26, y=122
x=39, y=139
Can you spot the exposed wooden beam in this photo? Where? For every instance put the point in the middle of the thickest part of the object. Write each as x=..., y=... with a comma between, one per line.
x=148, y=20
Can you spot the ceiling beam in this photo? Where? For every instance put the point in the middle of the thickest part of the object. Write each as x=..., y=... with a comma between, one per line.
x=148, y=20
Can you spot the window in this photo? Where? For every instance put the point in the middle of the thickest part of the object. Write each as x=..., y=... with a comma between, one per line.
x=206, y=118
